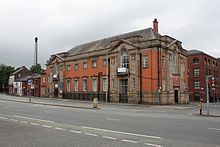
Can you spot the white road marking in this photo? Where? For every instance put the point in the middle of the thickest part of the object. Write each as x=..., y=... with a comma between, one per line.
x=45, y=126
x=125, y=133
x=24, y=122
x=73, y=131
x=36, y=105
x=3, y=118
x=90, y=134
x=113, y=119
x=57, y=128
x=141, y=110
x=108, y=137
x=217, y=129
x=35, y=124
x=13, y=119
x=48, y=121
x=153, y=145
x=130, y=141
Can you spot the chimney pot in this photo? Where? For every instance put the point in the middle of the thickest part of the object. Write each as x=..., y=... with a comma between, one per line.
x=155, y=25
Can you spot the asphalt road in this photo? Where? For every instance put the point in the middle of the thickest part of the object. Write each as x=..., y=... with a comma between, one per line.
x=23, y=124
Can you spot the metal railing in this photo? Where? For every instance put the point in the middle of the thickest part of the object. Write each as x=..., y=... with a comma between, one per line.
x=87, y=96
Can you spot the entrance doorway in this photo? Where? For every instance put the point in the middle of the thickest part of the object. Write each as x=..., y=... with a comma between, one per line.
x=55, y=92
x=176, y=96
x=123, y=94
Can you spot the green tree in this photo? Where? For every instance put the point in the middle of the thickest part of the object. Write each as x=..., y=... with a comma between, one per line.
x=5, y=72
x=36, y=69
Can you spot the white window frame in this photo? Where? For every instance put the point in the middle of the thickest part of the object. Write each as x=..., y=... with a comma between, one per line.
x=124, y=58
x=196, y=72
x=68, y=85
x=196, y=85
x=85, y=65
x=76, y=66
x=145, y=61
x=68, y=67
x=195, y=60
x=94, y=64
x=104, y=62
x=94, y=84
x=174, y=62
x=104, y=83
x=76, y=85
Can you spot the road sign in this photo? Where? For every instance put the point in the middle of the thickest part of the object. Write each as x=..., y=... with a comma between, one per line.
x=30, y=82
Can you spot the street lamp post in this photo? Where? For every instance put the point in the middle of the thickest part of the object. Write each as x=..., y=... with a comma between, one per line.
x=207, y=93
x=106, y=91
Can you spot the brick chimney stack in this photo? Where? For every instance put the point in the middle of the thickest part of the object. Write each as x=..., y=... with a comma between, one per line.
x=36, y=51
x=155, y=25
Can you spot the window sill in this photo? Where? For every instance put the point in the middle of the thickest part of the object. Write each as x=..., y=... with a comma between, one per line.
x=146, y=67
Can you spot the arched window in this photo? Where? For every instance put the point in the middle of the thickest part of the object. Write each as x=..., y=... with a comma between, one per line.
x=195, y=60
x=174, y=61
x=124, y=59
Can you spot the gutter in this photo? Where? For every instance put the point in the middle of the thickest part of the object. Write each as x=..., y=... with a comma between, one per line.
x=158, y=74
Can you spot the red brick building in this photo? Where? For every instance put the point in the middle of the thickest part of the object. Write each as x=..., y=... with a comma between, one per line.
x=14, y=82
x=39, y=85
x=33, y=85
x=36, y=85
x=137, y=67
x=200, y=65
x=43, y=86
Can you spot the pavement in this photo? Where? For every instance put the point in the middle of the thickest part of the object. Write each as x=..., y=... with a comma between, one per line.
x=88, y=104
x=194, y=107
x=48, y=101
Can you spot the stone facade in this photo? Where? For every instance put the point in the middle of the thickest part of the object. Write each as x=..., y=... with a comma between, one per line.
x=137, y=67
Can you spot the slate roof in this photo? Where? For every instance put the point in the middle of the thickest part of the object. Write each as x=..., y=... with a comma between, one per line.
x=18, y=70
x=23, y=79
x=36, y=76
x=146, y=34
x=194, y=52
x=191, y=52
x=26, y=78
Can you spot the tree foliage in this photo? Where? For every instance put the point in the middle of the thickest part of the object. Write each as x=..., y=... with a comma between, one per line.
x=36, y=69
x=5, y=72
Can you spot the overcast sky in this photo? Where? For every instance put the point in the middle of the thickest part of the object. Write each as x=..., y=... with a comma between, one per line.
x=63, y=24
